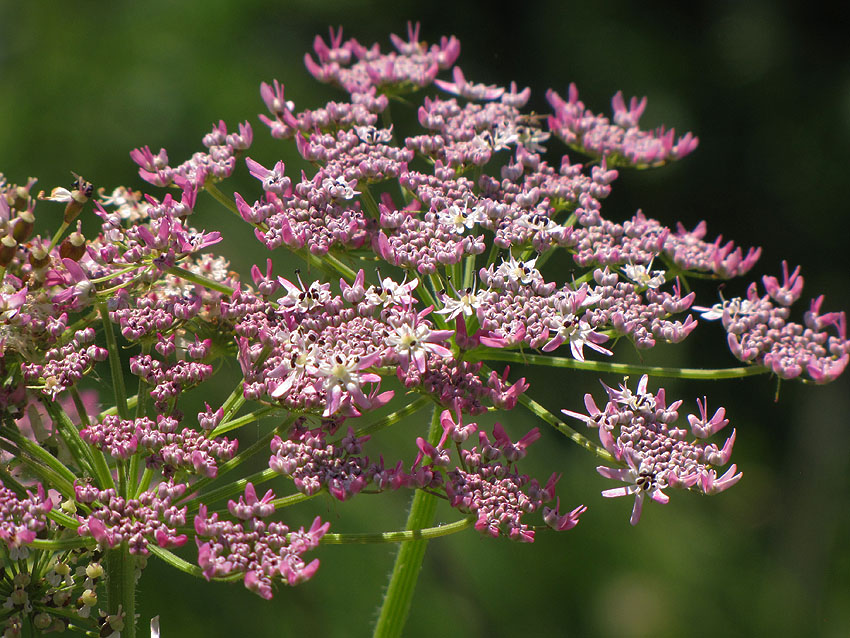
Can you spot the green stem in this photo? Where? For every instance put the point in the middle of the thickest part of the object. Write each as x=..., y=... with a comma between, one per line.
x=169, y=558
x=564, y=429
x=369, y=202
x=395, y=417
x=142, y=394
x=616, y=368
x=113, y=275
x=231, y=404
x=400, y=537
x=231, y=489
x=62, y=544
x=81, y=408
x=121, y=587
x=468, y=272
x=491, y=256
x=229, y=204
x=347, y=273
x=260, y=445
x=206, y=282
x=41, y=457
x=411, y=553
x=64, y=519
x=106, y=293
x=65, y=225
x=86, y=455
x=245, y=419
x=114, y=363
x=131, y=403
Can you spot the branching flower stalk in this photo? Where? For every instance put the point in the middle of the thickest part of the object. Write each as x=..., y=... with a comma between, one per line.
x=434, y=244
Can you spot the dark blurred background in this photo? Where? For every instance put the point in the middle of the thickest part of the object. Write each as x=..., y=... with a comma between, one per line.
x=766, y=87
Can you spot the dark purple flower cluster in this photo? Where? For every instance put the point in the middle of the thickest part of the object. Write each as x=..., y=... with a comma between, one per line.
x=314, y=464
x=638, y=429
x=169, y=380
x=263, y=551
x=486, y=483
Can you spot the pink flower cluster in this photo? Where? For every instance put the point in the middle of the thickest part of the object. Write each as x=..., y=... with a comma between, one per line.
x=151, y=516
x=264, y=552
x=638, y=429
x=21, y=519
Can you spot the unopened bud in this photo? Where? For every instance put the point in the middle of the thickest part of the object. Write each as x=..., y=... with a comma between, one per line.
x=22, y=229
x=22, y=579
x=73, y=246
x=8, y=248
x=81, y=192
x=39, y=258
x=42, y=620
x=89, y=598
x=69, y=506
x=21, y=197
x=94, y=570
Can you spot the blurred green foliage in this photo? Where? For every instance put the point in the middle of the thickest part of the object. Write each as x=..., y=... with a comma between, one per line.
x=765, y=85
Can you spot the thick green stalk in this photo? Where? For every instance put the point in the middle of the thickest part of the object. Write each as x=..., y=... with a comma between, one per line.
x=121, y=587
x=408, y=562
x=62, y=544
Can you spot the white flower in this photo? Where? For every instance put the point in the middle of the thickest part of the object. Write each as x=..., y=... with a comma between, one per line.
x=468, y=302
x=522, y=271
x=735, y=307
x=372, y=135
x=458, y=219
x=531, y=138
x=340, y=189
x=390, y=293
x=643, y=276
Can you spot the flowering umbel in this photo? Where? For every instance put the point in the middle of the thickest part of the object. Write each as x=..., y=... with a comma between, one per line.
x=431, y=247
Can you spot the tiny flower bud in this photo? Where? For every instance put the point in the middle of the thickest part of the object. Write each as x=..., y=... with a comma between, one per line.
x=81, y=192
x=22, y=579
x=73, y=246
x=42, y=620
x=94, y=570
x=23, y=225
x=19, y=597
x=89, y=598
x=39, y=258
x=8, y=248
